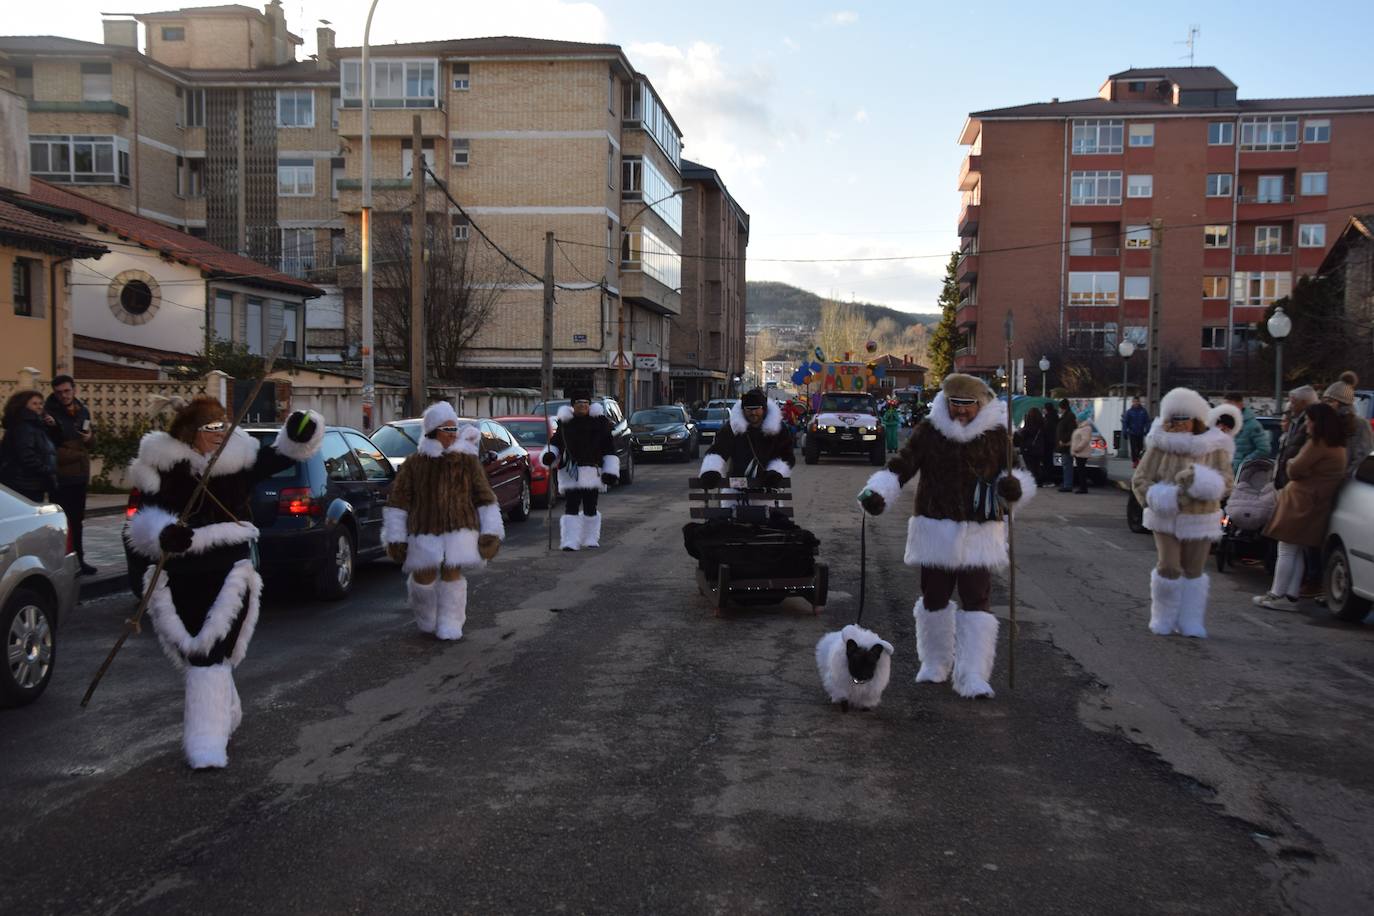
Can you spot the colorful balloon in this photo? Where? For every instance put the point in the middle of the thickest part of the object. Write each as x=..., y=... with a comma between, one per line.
x=820, y=354
x=871, y=346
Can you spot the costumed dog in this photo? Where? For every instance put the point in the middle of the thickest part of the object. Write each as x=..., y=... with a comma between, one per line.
x=855, y=666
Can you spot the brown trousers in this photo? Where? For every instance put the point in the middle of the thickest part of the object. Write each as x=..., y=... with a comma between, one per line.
x=1181, y=558
x=939, y=585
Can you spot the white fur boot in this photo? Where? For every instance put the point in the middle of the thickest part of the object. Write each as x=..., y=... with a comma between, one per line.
x=208, y=716
x=934, y=642
x=591, y=530
x=1164, y=603
x=1192, y=606
x=235, y=707
x=570, y=531
x=422, y=602
x=453, y=609
x=975, y=651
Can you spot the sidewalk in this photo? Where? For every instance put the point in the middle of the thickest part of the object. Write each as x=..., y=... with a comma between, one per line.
x=104, y=545
x=100, y=504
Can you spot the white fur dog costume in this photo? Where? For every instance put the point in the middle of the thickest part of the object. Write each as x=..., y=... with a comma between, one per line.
x=832, y=659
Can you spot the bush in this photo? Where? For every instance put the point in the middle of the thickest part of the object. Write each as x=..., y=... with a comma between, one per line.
x=116, y=447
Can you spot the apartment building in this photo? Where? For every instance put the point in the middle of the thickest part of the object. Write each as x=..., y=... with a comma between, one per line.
x=708, y=337
x=213, y=128
x=533, y=136
x=1059, y=197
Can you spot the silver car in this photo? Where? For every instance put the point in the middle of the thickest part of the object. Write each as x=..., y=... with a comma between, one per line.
x=37, y=590
x=1349, y=547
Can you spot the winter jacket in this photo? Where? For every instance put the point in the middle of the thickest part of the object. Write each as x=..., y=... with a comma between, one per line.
x=73, y=455
x=440, y=504
x=1315, y=475
x=953, y=459
x=1046, y=440
x=1251, y=442
x=742, y=451
x=584, y=448
x=1181, y=481
x=1081, y=442
x=1360, y=442
x=28, y=460
x=1063, y=430
x=1289, y=445
x=1136, y=422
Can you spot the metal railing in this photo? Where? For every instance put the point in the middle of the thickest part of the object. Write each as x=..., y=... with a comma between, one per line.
x=1264, y=249
x=1264, y=198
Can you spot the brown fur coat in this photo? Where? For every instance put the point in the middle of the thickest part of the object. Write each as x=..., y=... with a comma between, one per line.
x=439, y=505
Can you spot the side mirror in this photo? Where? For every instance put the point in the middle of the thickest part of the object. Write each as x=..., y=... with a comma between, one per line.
x=489, y=457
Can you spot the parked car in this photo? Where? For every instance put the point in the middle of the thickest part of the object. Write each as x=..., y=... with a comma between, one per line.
x=318, y=518
x=620, y=431
x=666, y=431
x=37, y=591
x=1097, y=462
x=506, y=463
x=726, y=404
x=532, y=434
x=1349, y=547
x=709, y=420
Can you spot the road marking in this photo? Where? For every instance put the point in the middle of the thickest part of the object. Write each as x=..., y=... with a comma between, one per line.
x=1258, y=622
x=1063, y=518
x=1354, y=671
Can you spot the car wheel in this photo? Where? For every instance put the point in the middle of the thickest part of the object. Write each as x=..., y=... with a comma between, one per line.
x=1343, y=603
x=1135, y=515
x=627, y=470
x=336, y=578
x=521, y=510
x=30, y=646
x=811, y=452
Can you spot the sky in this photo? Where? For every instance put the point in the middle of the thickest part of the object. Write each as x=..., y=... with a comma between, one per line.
x=835, y=125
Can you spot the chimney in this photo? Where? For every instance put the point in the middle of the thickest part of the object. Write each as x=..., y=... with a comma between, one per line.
x=121, y=33
x=324, y=47
x=282, y=50
x=1054, y=101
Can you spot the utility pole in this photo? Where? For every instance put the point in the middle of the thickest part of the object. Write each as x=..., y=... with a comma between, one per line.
x=1156, y=281
x=417, y=273
x=620, y=356
x=365, y=226
x=546, y=366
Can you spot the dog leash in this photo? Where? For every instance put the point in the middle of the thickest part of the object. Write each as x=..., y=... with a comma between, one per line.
x=863, y=563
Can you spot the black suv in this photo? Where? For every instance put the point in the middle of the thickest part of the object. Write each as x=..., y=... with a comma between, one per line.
x=318, y=518
x=620, y=430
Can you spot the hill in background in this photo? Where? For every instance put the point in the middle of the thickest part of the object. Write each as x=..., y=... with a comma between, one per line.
x=782, y=305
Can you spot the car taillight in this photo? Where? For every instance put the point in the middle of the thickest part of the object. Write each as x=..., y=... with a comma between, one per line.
x=298, y=501
x=70, y=545
x=135, y=498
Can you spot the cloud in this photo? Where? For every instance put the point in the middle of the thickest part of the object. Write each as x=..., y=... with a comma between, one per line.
x=790, y=44
x=842, y=18
x=861, y=116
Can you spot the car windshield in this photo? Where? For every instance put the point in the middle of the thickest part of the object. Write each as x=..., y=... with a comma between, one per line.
x=655, y=417
x=847, y=403
x=529, y=433
x=713, y=413
x=397, y=440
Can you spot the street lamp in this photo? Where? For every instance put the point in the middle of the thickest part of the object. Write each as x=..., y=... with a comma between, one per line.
x=365, y=227
x=1279, y=325
x=1044, y=368
x=620, y=320
x=1126, y=348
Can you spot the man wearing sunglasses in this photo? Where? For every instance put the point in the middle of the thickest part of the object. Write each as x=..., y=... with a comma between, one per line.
x=583, y=450
x=755, y=443
x=958, y=534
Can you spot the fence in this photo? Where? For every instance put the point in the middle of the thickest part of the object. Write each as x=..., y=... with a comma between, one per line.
x=123, y=402
x=344, y=406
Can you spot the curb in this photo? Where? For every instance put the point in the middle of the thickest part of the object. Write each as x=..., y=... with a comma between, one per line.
x=104, y=511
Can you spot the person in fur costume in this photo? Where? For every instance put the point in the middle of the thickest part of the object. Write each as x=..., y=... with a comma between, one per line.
x=957, y=535
x=441, y=518
x=584, y=451
x=205, y=605
x=1181, y=482
x=755, y=443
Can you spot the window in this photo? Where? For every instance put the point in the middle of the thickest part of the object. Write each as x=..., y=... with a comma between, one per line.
x=1216, y=236
x=1221, y=133
x=173, y=33
x=336, y=175
x=1135, y=288
x=79, y=159
x=426, y=150
x=21, y=287
x=254, y=330
x=1316, y=131
x=1214, y=338
x=338, y=460
x=1097, y=336
x=1312, y=235
x=1261, y=287
x=194, y=115
x=461, y=228
x=298, y=252
x=631, y=178
x=97, y=83
x=610, y=240
x=135, y=297
x=462, y=81
x=1268, y=239
x=1136, y=86
x=1138, y=236
x=1140, y=186
x=640, y=180
x=610, y=93
x=1216, y=287
x=1269, y=133
x=1096, y=136
x=23, y=81
x=375, y=464
x=190, y=177
x=295, y=178
x=223, y=323
x=338, y=245
x=642, y=109
x=1095, y=188
x=1136, y=334
x=1080, y=240
x=640, y=249
x=1219, y=185
x=610, y=166
x=1313, y=183
x=1093, y=288
x=462, y=152
x=289, y=347
x=395, y=83
x=1270, y=189
x=1142, y=135
x=335, y=104
x=1244, y=337
x=295, y=108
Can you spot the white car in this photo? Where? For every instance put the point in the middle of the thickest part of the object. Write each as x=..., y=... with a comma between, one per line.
x=1349, y=548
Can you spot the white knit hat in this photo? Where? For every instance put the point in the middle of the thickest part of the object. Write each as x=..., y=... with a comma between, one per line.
x=440, y=413
x=1184, y=402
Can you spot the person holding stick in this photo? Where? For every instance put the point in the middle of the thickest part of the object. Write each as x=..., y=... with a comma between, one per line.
x=958, y=534
x=204, y=607
x=583, y=450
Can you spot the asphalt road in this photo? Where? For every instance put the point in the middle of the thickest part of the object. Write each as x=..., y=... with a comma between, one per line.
x=600, y=743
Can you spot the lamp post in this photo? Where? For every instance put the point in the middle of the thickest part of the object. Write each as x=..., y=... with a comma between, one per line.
x=365, y=227
x=1280, y=326
x=620, y=321
x=1044, y=369
x=1126, y=348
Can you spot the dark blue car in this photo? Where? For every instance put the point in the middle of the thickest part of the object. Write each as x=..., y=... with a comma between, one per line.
x=709, y=420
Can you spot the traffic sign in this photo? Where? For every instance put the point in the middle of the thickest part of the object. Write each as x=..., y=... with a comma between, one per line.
x=619, y=360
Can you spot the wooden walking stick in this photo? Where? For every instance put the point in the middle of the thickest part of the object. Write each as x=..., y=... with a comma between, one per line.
x=1011, y=539
x=552, y=471
x=133, y=624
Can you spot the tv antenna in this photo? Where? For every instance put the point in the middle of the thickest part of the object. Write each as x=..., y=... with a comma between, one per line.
x=1191, y=42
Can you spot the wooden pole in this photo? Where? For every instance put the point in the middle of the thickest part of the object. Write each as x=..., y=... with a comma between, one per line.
x=417, y=272
x=546, y=379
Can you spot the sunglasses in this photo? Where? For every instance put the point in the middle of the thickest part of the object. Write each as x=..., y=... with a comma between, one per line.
x=581, y=401
x=446, y=429
x=753, y=407
x=962, y=402
x=217, y=427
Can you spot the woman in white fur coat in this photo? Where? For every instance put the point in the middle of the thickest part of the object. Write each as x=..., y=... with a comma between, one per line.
x=1181, y=482
x=205, y=606
x=441, y=518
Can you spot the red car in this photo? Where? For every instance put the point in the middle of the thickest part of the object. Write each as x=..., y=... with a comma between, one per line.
x=532, y=433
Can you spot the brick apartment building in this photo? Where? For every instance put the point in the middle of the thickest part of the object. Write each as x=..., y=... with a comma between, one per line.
x=708, y=337
x=1251, y=192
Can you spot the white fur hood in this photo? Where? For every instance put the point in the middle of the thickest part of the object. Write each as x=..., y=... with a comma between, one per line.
x=992, y=415
x=1188, y=443
x=159, y=452
x=466, y=444
x=565, y=413
x=772, y=419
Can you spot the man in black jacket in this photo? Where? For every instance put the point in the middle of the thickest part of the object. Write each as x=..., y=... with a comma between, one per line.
x=583, y=449
x=69, y=427
x=755, y=443
x=1063, y=442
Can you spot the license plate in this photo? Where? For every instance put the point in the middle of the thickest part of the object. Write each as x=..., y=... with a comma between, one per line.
x=847, y=436
x=653, y=448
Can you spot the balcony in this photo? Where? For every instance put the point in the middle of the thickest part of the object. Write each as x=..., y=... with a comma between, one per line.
x=966, y=313
x=1243, y=250
x=1264, y=198
x=114, y=108
x=968, y=220
x=970, y=171
x=967, y=270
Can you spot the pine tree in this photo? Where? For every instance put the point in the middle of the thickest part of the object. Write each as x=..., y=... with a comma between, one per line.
x=945, y=338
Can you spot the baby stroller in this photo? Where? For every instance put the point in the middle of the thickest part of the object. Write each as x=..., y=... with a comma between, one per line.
x=748, y=549
x=1245, y=514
